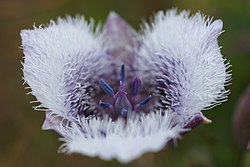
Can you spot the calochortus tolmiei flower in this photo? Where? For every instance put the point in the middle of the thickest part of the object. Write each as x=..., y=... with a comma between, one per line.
x=113, y=92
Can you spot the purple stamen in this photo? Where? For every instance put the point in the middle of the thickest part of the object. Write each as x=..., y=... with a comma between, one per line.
x=122, y=73
x=105, y=86
x=122, y=106
x=143, y=102
x=124, y=113
x=105, y=105
x=136, y=86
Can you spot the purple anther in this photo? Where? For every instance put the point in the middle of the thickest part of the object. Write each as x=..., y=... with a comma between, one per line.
x=105, y=86
x=122, y=73
x=122, y=105
x=124, y=113
x=105, y=105
x=136, y=86
x=143, y=102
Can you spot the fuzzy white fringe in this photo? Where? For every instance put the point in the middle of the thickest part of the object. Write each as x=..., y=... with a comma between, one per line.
x=120, y=140
x=182, y=52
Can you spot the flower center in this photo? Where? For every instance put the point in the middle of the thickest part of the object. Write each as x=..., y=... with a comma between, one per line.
x=123, y=104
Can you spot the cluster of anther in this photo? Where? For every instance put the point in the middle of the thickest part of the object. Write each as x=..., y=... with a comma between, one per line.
x=123, y=104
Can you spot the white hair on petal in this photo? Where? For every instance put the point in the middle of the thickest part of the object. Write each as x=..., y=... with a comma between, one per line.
x=177, y=54
x=57, y=62
x=124, y=141
x=187, y=61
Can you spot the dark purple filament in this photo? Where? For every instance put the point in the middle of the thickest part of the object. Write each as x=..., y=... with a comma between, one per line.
x=122, y=106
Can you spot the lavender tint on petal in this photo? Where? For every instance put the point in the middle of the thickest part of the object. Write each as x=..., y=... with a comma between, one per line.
x=119, y=32
x=168, y=85
x=121, y=42
x=52, y=122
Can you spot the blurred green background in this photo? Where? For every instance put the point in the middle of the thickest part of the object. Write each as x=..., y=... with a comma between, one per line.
x=24, y=144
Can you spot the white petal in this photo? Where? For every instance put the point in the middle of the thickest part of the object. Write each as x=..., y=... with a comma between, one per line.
x=187, y=60
x=58, y=60
x=125, y=142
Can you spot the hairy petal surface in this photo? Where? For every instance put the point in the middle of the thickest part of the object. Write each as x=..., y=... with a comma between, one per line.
x=120, y=140
x=189, y=69
x=59, y=60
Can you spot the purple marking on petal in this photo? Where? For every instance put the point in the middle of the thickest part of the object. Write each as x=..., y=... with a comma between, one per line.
x=102, y=133
x=136, y=86
x=168, y=83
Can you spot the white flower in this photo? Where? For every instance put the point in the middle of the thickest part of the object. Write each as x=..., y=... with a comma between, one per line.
x=168, y=74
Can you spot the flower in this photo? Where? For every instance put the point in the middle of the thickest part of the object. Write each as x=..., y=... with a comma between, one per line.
x=115, y=93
